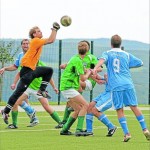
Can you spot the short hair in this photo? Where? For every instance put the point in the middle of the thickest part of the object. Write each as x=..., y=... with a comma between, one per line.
x=32, y=31
x=116, y=41
x=88, y=43
x=24, y=40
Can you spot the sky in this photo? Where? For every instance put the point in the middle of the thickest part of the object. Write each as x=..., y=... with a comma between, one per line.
x=90, y=18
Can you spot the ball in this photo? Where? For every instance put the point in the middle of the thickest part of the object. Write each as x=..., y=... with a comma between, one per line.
x=66, y=21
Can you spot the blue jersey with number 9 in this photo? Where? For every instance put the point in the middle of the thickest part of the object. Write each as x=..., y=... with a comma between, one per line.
x=118, y=63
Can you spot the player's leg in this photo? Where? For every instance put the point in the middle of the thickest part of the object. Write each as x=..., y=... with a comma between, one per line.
x=89, y=117
x=71, y=119
x=14, y=115
x=131, y=100
x=23, y=103
x=117, y=97
x=66, y=115
x=104, y=102
x=49, y=109
x=82, y=112
x=46, y=74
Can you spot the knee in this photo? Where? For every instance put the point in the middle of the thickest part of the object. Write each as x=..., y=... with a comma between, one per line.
x=50, y=70
x=86, y=106
x=94, y=110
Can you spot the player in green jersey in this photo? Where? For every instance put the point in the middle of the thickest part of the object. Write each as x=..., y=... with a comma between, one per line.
x=70, y=84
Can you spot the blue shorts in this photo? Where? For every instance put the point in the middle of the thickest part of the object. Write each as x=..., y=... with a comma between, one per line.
x=124, y=98
x=103, y=101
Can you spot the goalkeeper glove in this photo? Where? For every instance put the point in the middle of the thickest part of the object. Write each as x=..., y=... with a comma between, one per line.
x=56, y=26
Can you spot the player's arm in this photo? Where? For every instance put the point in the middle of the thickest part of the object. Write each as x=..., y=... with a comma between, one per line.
x=53, y=85
x=99, y=79
x=16, y=79
x=8, y=68
x=53, y=34
x=85, y=76
x=98, y=65
x=134, y=62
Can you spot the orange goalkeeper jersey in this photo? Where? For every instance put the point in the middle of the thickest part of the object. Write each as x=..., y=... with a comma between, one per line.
x=31, y=57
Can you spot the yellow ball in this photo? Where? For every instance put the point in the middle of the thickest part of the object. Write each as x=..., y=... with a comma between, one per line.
x=66, y=21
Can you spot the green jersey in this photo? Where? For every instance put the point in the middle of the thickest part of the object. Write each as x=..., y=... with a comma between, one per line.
x=71, y=76
x=36, y=83
x=89, y=61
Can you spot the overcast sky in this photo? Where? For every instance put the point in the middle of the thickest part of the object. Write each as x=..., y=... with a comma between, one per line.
x=90, y=18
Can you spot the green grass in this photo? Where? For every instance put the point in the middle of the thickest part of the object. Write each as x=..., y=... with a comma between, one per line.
x=45, y=137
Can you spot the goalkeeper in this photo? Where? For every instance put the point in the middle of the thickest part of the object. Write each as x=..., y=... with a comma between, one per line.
x=29, y=70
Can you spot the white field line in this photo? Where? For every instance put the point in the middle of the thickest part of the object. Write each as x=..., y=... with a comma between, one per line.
x=41, y=130
x=39, y=108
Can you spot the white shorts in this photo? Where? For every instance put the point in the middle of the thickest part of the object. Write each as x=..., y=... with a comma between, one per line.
x=30, y=91
x=88, y=85
x=71, y=93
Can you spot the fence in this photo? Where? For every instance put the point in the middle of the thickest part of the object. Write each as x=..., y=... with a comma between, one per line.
x=62, y=50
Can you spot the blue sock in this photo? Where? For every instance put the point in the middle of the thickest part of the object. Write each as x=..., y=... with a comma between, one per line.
x=123, y=124
x=103, y=118
x=29, y=110
x=141, y=121
x=89, y=122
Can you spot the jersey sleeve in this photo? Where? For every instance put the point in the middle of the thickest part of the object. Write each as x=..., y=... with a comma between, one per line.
x=134, y=61
x=17, y=61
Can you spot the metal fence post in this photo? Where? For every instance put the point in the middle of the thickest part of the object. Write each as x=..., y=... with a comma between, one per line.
x=91, y=92
x=59, y=70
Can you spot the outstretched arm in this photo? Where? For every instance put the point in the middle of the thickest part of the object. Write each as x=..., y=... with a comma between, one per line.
x=9, y=68
x=53, y=34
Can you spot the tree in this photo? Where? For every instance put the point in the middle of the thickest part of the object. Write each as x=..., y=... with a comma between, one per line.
x=7, y=53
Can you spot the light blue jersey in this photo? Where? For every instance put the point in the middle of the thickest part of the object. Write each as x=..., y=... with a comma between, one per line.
x=18, y=59
x=118, y=63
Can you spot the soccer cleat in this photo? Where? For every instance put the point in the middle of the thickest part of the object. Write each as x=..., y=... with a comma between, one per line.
x=82, y=133
x=60, y=125
x=32, y=116
x=147, y=134
x=65, y=132
x=4, y=116
x=111, y=131
x=12, y=126
x=89, y=134
x=34, y=122
x=127, y=137
x=44, y=94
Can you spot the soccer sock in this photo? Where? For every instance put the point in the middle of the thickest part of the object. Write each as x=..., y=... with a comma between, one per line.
x=103, y=118
x=66, y=114
x=80, y=123
x=43, y=85
x=141, y=121
x=14, y=115
x=89, y=122
x=55, y=116
x=68, y=124
x=123, y=124
x=29, y=110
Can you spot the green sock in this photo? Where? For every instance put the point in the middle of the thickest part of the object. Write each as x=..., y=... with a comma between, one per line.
x=66, y=114
x=69, y=123
x=56, y=117
x=14, y=115
x=80, y=123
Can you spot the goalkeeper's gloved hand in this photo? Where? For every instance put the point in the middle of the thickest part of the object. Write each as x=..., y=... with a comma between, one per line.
x=56, y=26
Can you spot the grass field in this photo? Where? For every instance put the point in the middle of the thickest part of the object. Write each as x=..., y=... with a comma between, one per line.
x=45, y=137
